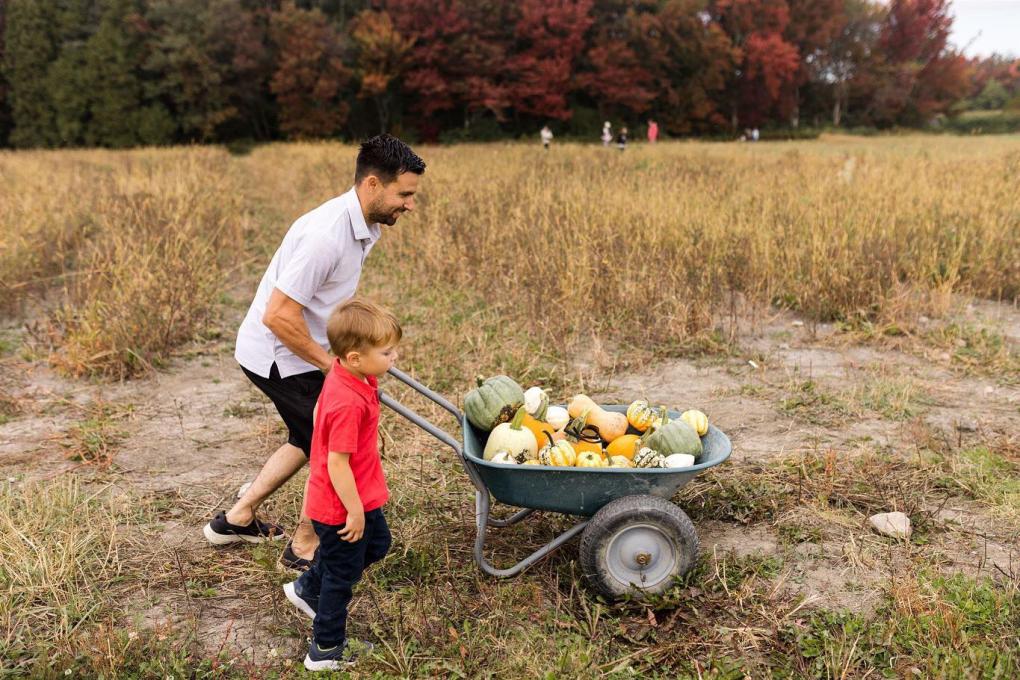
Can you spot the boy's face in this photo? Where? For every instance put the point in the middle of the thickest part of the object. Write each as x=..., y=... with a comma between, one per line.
x=374, y=361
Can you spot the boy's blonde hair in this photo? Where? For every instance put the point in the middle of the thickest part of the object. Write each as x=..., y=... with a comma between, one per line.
x=358, y=325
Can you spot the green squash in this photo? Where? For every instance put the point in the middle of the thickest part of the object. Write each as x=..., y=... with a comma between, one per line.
x=675, y=436
x=494, y=401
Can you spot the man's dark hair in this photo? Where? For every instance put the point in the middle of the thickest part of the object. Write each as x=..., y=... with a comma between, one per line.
x=385, y=156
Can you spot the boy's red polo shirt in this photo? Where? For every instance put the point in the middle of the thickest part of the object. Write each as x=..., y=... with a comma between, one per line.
x=347, y=422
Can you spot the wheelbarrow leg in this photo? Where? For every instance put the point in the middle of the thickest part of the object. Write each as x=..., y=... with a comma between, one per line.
x=509, y=521
x=482, y=521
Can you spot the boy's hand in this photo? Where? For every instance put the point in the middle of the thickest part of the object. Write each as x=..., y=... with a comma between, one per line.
x=354, y=529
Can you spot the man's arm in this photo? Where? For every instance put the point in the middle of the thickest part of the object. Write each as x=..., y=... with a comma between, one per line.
x=284, y=317
x=340, y=474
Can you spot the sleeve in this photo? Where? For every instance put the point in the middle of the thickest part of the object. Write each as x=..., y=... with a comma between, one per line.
x=307, y=269
x=343, y=426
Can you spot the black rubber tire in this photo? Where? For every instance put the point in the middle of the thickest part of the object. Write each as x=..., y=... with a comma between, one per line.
x=658, y=513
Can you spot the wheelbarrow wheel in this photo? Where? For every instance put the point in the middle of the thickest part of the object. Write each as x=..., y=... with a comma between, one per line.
x=637, y=545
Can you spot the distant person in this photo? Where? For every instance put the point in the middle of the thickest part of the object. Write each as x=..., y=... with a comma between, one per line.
x=754, y=135
x=621, y=139
x=547, y=137
x=282, y=344
x=607, y=134
x=653, y=132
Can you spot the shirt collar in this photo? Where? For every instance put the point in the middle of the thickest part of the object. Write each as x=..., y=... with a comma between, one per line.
x=361, y=229
x=365, y=390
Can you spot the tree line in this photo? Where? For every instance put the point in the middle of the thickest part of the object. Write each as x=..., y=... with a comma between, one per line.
x=120, y=73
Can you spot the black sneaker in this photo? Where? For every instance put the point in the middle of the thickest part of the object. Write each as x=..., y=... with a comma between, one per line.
x=335, y=658
x=290, y=559
x=221, y=532
x=306, y=605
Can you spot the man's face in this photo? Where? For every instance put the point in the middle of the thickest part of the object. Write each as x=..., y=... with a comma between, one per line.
x=387, y=202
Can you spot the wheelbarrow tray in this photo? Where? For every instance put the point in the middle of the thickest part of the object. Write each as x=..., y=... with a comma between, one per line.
x=583, y=491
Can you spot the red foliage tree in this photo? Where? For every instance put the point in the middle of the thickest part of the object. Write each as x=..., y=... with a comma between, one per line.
x=310, y=75
x=765, y=79
x=550, y=37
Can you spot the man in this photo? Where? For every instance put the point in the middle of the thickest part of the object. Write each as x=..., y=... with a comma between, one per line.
x=282, y=344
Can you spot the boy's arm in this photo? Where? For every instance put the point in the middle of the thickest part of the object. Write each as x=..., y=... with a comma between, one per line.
x=342, y=478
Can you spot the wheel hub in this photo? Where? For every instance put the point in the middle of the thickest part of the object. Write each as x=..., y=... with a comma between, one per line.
x=641, y=555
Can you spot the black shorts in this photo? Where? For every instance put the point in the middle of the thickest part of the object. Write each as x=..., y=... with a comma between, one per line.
x=294, y=398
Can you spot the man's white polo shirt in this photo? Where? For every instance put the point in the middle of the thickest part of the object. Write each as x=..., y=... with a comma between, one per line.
x=318, y=265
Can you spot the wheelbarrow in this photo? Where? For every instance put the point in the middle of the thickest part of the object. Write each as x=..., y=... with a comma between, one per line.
x=634, y=541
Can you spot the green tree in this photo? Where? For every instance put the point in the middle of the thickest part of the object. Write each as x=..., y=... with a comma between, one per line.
x=119, y=114
x=30, y=47
x=992, y=96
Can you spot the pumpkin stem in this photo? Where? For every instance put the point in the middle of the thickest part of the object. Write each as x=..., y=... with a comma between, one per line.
x=515, y=424
x=548, y=435
x=480, y=380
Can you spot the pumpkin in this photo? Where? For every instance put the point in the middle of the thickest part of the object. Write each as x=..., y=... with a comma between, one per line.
x=649, y=458
x=624, y=446
x=557, y=453
x=557, y=417
x=679, y=460
x=641, y=416
x=503, y=457
x=512, y=437
x=492, y=402
x=610, y=423
x=697, y=420
x=539, y=428
x=584, y=437
x=675, y=436
x=536, y=402
x=590, y=459
x=620, y=462
x=531, y=462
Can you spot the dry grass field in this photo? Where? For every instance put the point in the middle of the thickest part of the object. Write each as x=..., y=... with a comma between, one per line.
x=845, y=309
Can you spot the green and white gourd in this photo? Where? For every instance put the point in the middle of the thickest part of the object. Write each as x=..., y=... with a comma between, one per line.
x=492, y=402
x=673, y=436
x=649, y=458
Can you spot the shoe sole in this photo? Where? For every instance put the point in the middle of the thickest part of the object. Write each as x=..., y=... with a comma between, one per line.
x=326, y=665
x=225, y=539
x=303, y=607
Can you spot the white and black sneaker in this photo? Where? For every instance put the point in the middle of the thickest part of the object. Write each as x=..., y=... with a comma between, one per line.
x=221, y=532
x=335, y=658
x=306, y=605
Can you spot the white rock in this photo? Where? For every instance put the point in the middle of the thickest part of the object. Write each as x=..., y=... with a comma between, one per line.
x=967, y=425
x=244, y=487
x=945, y=356
x=797, y=323
x=894, y=524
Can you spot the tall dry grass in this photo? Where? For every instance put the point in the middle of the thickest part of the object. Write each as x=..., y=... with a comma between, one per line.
x=653, y=248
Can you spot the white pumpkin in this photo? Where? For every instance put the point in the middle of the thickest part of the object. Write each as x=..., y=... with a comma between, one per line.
x=503, y=457
x=536, y=402
x=513, y=438
x=558, y=417
x=679, y=460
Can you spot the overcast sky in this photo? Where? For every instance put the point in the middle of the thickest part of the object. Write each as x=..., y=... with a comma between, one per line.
x=988, y=26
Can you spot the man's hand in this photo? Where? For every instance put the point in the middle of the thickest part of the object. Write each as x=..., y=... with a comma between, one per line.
x=354, y=529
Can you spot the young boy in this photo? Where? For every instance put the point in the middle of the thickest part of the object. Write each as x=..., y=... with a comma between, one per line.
x=346, y=487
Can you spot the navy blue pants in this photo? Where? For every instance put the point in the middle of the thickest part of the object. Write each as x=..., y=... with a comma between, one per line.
x=337, y=567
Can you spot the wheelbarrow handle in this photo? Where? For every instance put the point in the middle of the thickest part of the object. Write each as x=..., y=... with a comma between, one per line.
x=422, y=389
x=422, y=422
